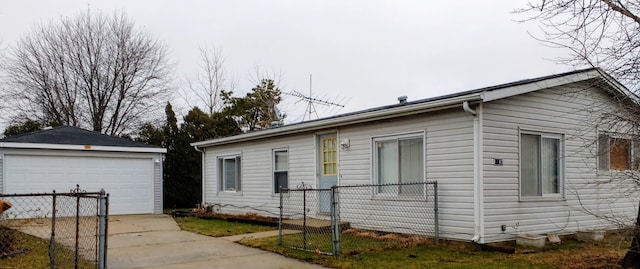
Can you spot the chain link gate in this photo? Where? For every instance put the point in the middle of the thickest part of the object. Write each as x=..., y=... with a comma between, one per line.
x=352, y=218
x=73, y=225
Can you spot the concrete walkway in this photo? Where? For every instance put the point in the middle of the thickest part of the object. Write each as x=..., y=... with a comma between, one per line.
x=156, y=241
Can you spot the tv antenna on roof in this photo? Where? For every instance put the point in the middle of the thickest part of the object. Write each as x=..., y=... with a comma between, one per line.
x=313, y=101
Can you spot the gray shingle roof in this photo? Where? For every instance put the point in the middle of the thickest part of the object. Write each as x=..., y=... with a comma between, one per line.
x=69, y=135
x=456, y=94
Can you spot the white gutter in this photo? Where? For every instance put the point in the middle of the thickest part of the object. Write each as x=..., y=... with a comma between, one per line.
x=465, y=106
x=480, y=159
x=393, y=112
x=80, y=147
x=203, y=173
x=478, y=174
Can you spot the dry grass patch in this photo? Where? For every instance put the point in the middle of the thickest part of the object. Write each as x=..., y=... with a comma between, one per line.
x=219, y=227
x=367, y=249
x=28, y=251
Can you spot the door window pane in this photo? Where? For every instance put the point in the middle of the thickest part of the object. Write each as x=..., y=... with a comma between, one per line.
x=329, y=157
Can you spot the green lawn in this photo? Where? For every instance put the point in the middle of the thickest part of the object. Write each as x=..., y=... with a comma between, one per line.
x=36, y=255
x=219, y=227
x=372, y=253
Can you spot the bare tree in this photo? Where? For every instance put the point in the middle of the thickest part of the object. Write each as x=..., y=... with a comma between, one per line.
x=211, y=81
x=4, y=96
x=93, y=70
x=601, y=33
x=259, y=74
x=605, y=34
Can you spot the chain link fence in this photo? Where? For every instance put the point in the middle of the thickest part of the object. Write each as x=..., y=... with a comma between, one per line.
x=67, y=229
x=354, y=219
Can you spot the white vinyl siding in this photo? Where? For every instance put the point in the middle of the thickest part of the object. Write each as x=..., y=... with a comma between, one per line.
x=257, y=173
x=1, y=173
x=448, y=158
x=552, y=111
x=157, y=184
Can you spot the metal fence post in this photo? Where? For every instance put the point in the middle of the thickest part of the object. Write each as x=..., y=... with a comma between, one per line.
x=335, y=220
x=280, y=220
x=77, y=194
x=304, y=219
x=52, y=242
x=435, y=210
x=102, y=230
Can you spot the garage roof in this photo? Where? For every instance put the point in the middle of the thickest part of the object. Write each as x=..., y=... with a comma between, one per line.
x=69, y=137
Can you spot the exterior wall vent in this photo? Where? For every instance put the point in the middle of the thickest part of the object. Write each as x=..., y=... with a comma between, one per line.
x=402, y=99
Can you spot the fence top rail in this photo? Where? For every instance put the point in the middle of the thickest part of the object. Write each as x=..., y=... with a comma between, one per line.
x=428, y=182
x=305, y=189
x=74, y=194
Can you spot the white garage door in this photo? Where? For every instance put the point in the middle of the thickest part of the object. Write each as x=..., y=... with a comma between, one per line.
x=129, y=181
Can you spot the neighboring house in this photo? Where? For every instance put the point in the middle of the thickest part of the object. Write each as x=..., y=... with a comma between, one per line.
x=59, y=158
x=515, y=158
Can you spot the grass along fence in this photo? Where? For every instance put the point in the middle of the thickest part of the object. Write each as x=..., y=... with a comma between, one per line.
x=328, y=219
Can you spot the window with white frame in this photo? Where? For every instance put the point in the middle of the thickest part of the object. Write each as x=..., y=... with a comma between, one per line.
x=541, y=164
x=618, y=153
x=229, y=173
x=399, y=159
x=280, y=169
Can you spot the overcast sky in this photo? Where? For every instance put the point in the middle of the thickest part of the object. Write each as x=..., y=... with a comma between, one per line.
x=361, y=53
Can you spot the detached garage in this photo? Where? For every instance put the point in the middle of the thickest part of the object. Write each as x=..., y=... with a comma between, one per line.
x=59, y=158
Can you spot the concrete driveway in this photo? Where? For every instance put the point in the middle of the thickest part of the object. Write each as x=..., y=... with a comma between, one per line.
x=156, y=241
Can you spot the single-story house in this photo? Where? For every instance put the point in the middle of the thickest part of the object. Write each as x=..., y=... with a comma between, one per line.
x=532, y=156
x=61, y=157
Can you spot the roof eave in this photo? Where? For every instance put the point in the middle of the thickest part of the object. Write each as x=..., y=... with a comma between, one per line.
x=496, y=94
x=17, y=145
x=482, y=95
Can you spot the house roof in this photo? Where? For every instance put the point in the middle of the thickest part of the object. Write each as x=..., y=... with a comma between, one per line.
x=485, y=94
x=69, y=137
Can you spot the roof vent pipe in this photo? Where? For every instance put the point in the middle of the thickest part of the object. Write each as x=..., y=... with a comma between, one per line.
x=402, y=99
x=465, y=106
